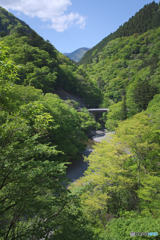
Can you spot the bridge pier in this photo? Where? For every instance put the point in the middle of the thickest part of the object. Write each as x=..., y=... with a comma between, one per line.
x=97, y=113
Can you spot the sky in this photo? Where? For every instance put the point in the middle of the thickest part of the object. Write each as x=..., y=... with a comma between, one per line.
x=72, y=24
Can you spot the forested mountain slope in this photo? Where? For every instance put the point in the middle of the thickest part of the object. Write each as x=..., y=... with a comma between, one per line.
x=147, y=18
x=40, y=64
x=120, y=189
x=127, y=71
x=10, y=24
x=77, y=54
x=39, y=135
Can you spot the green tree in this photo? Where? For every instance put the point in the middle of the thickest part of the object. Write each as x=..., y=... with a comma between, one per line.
x=120, y=229
x=114, y=115
x=139, y=95
x=34, y=200
x=124, y=108
x=123, y=173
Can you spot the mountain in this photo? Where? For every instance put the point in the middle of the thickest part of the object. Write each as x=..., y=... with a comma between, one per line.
x=77, y=54
x=40, y=135
x=10, y=24
x=126, y=65
x=40, y=64
x=147, y=18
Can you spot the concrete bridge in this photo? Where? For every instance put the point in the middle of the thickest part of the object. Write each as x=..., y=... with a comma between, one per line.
x=97, y=113
x=98, y=110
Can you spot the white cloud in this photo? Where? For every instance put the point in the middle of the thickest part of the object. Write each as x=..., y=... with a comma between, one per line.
x=52, y=11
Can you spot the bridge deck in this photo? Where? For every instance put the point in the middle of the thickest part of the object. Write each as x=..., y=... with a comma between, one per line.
x=98, y=109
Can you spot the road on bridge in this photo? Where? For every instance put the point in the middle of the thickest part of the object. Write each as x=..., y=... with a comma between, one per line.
x=98, y=109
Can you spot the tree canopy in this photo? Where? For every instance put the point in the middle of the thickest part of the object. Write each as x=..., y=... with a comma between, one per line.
x=39, y=134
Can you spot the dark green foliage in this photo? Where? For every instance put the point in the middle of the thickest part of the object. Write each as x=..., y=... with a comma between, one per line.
x=38, y=135
x=140, y=93
x=129, y=65
x=40, y=64
x=124, y=108
x=120, y=189
x=147, y=18
x=10, y=24
x=120, y=229
x=114, y=116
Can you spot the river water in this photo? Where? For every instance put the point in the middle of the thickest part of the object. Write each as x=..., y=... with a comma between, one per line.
x=77, y=169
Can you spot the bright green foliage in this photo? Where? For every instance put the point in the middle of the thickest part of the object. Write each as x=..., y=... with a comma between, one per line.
x=8, y=75
x=34, y=200
x=123, y=173
x=117, y=112
x=153, y=109
x=119, y=66
x=68, y=134
x=87, y=120
x=120, y=229
x=123, y=113
x=11, y=24
x=147, y=18
x=129, y=65
x=74, y=224
x=40, y=134
x=114, y=116
x=40, y=64
x=139, y=94
x=24, y=163
x=70, y=125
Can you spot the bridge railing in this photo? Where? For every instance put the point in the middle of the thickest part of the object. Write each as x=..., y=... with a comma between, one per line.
x=98, y=109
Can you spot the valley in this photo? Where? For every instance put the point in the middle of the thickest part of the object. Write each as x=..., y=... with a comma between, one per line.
x=79, y=141
x=78, y=168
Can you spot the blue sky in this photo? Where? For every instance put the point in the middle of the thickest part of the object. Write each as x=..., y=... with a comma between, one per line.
x=71, y=24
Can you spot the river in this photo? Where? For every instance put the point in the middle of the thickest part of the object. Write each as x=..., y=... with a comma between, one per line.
x=77, y=169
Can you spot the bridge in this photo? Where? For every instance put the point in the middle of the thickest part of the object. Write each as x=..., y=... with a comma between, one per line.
x=98, y=109
x=97, y=114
